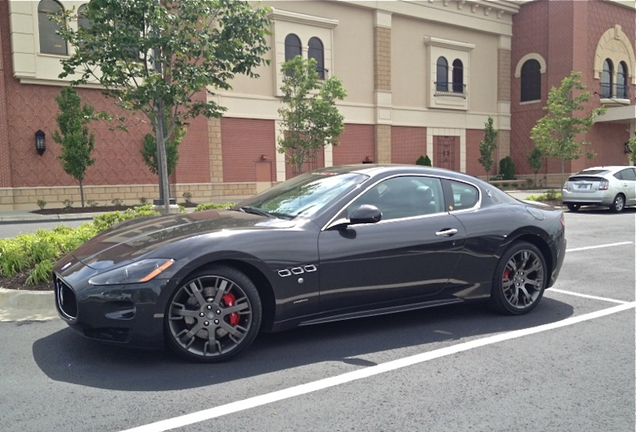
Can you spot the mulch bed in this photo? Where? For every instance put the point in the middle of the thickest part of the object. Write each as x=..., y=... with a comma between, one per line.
x=18, y=282
x=94, y=209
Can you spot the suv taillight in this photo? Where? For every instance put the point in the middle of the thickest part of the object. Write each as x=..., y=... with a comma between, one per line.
x=604, y=185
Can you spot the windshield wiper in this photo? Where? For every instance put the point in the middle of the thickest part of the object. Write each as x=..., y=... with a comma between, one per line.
x=256, y=211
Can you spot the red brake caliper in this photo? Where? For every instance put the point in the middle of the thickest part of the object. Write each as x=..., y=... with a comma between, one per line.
x=506, y=274
x=229, y=300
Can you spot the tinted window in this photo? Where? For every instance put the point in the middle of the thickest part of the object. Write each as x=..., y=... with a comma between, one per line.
x=627, y=174
x=50, y=42
x=463, y=196
x=317, y=52
x=442, y=75
x=530, y=81
x=293, y=47
x=402, y=197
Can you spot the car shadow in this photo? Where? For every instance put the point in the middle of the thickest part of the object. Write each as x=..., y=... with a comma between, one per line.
x=603, y=210
x=68, y=357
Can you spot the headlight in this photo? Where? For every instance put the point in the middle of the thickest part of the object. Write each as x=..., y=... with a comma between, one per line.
x=137, y=272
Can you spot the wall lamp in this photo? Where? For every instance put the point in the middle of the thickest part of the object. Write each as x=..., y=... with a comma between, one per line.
x=40, y=142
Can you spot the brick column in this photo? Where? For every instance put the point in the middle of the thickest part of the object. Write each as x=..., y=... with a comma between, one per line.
x=382, y=85
x=216, y=150
x=5, y=154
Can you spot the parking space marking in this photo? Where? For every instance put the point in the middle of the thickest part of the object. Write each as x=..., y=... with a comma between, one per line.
x=599, y=246
x=322, y=384
x=591, y=297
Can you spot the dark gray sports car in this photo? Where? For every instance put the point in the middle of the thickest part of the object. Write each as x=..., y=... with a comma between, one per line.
x=333, y=244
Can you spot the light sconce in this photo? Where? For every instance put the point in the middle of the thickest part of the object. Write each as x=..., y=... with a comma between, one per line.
x=40, y=142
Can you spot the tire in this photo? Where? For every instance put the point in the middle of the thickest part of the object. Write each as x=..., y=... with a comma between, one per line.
x=520, y=279
x=214, y=315
x=574, y=207
x=619, y=203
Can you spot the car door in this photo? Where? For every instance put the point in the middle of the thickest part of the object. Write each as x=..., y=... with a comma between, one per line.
x=627, y=179
x=410, y=253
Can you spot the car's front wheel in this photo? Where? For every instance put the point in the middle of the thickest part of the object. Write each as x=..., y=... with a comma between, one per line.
x=619, y=203
x=214, y=315
x=520, y=279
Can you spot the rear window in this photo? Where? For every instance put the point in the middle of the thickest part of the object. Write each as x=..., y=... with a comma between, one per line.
x=592, y=172
x=584, y=178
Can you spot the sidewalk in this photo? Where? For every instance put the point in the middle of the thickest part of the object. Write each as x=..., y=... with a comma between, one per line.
x=40, y=305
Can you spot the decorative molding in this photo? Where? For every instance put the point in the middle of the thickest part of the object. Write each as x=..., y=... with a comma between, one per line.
x=297, y=18
x=448, y=44
x=531, y=56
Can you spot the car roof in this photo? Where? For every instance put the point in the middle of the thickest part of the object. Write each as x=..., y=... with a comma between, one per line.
x=379, y=169
x=609, y=168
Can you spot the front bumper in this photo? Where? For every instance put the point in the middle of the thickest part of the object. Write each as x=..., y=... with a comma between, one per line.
x=123, y=315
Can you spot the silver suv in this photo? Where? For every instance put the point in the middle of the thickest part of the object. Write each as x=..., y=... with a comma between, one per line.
x=612, y=186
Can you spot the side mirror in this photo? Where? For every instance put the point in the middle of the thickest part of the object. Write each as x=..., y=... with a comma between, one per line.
x=365, y=214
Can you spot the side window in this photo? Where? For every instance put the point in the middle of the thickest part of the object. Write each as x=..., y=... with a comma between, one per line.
x=402, y=197
x=530, y=81
x=622, y=82
x=626, y=174
x=293, y=46
x=607, y=79
x=50, y=42
x=317, y=52
x=462, y=195
x=442, y=75
x=458, y=76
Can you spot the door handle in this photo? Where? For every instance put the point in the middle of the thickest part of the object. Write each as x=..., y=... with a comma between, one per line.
x=446, y=232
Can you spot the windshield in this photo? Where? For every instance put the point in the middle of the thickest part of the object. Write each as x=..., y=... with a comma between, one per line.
x=305, y=194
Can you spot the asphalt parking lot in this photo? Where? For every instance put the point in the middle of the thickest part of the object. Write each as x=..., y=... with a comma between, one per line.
x=567, y=366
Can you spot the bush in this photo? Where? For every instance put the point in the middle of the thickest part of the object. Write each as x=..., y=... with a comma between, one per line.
x=507, y=168
x=211, y=206
x=423, y=160
x=107, y=220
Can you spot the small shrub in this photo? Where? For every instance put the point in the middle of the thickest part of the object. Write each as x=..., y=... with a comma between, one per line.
x=423, y=160
x=507, y=168
x=117, y=202
x=187, y=196
x=41, y=273
x=216, y=206
x=13, y=262
x=92, y=203
x=68, y=204
x=41, y=203
x=143, y=201
x=550, y=195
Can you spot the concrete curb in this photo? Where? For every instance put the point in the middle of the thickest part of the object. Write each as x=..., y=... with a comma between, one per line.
x=19, y=305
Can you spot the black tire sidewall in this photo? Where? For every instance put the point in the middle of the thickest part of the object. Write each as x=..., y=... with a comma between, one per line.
x=255, y=303
x=497, y=297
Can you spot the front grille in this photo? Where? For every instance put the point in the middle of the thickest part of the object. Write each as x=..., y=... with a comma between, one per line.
x=65, y=299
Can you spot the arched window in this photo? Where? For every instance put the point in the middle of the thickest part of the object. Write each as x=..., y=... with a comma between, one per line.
x=442, y=75
x=317, y=52
x=458, y=76
x=293, y=47
x=607, y=79
x=531, y=81
x=50, y=42
x=82, y=18
x=621, y=81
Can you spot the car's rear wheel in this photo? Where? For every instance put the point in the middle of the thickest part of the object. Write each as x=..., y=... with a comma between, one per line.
x=214, y=315
x=520, y=279
x=619, y=203
x=574, y=207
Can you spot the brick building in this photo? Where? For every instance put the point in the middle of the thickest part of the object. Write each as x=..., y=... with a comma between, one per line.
x=422, y=78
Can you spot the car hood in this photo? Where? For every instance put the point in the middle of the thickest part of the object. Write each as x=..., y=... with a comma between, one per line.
x=132, y=239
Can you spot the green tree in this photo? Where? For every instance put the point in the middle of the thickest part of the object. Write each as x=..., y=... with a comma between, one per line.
x=76, y=141
x=155, y=56
x=310, y=118
x=487, y=146
x=631, y=145
x=555, y=133
x=423, y=160
x=535, y=160
x=149, y=151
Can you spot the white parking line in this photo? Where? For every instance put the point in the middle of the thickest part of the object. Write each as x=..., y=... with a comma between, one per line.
x=599, y=246
x=311, y=387
x=572, y=293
